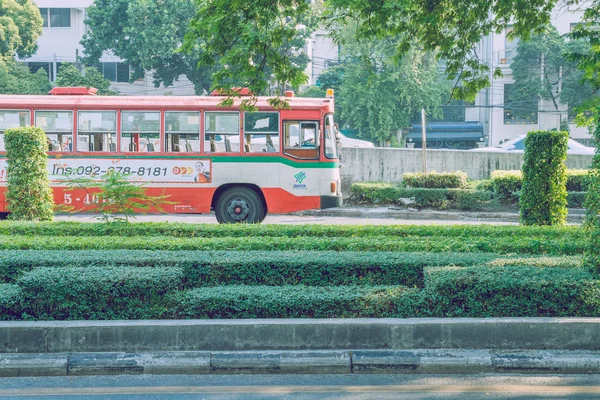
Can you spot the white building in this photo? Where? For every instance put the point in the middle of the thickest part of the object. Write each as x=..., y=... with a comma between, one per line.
x=64, y=28
x=322, y=52
x=494, y=113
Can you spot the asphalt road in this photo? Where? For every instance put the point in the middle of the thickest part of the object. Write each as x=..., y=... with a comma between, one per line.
x=295, y=387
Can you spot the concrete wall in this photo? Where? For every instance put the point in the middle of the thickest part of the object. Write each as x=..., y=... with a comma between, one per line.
x=388, y=165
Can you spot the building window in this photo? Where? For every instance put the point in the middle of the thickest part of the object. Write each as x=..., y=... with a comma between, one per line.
x=46, y=66
x=519, y=110
x=56, y=17
x=114, y=71
x=510, y=47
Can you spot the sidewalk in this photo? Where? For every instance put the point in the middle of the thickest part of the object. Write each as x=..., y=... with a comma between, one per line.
x=576, y=216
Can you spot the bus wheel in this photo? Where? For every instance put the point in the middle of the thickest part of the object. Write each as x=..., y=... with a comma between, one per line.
x=240, y=204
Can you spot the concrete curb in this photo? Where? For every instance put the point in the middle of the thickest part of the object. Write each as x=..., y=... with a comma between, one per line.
x=302, y=334
x=301, y=346
x=419, y=361
x=574, y=216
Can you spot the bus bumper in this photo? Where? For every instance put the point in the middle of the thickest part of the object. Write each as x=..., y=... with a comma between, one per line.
x=331, y=201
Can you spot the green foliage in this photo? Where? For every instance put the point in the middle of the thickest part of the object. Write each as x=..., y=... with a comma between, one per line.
x=592, y=205
x=484, y=185
x=435, y=180
x=506, y=183
x=539, y=63
x=10, y=301
x=290, y=302
x=378, y=94
x=20, y=27
x=452, y=28
x=147, y=35
x=576, y=199
x=16, y=79
x=213, y=268
x=172, y=231
x=119, y=199
x=97, y=293
x=28, y=194
x=258, y=43
x=69, y=75
x=464, y=199
x=543, y=200
x=534, y=244
x=515, y=291
x=578, y=180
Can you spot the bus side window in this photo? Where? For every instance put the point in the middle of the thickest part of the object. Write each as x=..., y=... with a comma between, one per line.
x=301, y=139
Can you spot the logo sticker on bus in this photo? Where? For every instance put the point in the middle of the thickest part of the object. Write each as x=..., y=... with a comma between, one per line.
x=300, y=177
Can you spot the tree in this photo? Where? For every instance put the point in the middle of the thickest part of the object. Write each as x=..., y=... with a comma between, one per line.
x=378, y=94
x=257, y=42
x=452, y=28
x=20, y=26
x=148, y=35
x=69, y=75
x=16, y=79
x=543, y=70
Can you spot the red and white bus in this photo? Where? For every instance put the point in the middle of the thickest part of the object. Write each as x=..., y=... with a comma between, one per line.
x=240, y=164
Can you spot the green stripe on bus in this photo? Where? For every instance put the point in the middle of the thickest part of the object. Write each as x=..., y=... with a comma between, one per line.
x=274, y=160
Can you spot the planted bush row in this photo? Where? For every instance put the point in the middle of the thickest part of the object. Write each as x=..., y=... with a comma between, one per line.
x=435, y=180
x=245, y=231
x=464, y=199
x=121, y=293
x=290, y=302
x=560, y=245
x=248, y=268
x=506, y=183
x=97, y=293
x=511, y=291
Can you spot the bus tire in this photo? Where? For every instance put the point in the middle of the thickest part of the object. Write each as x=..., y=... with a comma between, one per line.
x=239, y=205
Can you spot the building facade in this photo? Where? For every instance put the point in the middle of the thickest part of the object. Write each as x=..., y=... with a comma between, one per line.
x=63, y=29
x=493, y=109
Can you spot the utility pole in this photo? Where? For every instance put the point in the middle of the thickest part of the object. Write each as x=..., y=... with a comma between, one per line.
x=424, y=145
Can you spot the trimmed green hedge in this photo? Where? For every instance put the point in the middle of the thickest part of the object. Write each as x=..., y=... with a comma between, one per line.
x=249, y=268
x=543, y=199
x=511, y=291
x=544, y=262
x=11, y=297
x=464, y=199
x=173, y=231
x=506, y=183
x=543, y=244
x=98, y=293
x=578, y=180
x=293, y=302
x=435, y=180
x=28, y=193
